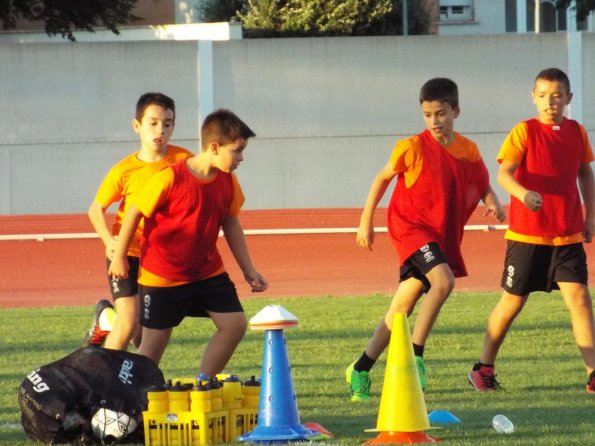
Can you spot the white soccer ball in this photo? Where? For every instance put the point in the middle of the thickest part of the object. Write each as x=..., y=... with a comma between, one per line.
x=110, y=426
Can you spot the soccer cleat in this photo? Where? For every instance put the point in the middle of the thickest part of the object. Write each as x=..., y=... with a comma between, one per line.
x=591, y=383
x=359, y=384
x=483, y=379
x=421, y=371
x=99, y=330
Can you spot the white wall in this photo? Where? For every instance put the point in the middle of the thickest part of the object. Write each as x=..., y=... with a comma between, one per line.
x=326, y=111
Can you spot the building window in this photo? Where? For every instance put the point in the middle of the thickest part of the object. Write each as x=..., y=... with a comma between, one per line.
x=456, y=10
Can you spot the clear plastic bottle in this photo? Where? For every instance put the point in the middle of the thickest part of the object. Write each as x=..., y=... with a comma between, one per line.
x=502, y=425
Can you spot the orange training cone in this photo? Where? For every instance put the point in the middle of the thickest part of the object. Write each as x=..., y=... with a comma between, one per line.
x=402, y=416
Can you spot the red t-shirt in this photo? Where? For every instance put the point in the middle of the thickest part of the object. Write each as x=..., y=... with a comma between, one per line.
x=435, y=205
x=183, y=216
x=549, y=158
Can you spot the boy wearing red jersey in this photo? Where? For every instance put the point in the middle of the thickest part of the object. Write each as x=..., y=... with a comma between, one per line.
x=441, y=178
x=181, y=271
x=154, y=123
x=540, y=162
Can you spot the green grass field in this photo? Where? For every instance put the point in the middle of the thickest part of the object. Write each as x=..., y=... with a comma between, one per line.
x=539, y=366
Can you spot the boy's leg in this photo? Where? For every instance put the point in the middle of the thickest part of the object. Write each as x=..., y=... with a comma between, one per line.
x=482, y=377
x=230, y=329
x=356, y=375
x=442, y=282
x=126, y=326
x=404, y=300
x=154, y=342
x=499, y=322
x=578, y=301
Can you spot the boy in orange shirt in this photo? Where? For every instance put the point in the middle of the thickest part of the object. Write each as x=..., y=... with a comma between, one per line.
x=154, y=123
x=181, y=270
x=540, y=162
x=441, y=178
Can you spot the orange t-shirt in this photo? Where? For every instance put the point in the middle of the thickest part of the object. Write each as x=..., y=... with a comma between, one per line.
x=548, y=158
x=436, y=191
x=407, y=156
x=125, y=179
x=183, y=217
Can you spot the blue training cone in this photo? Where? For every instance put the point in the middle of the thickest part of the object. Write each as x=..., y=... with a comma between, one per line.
x=278, y=419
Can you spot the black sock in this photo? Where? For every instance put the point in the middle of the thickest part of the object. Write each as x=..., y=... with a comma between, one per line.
x=478, y=365
x=364, y=363
x=418, y=350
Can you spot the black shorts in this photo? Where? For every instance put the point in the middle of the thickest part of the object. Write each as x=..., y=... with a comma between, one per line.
x=529, y=267
x=166, y=307
x=125, y=287
x=421, y=262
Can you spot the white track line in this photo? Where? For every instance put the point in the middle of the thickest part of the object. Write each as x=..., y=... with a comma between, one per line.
x=296, y=231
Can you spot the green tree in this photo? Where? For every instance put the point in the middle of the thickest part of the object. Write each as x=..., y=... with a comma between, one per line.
x=583, y=7
x=64, y=17
x=284, y=18
x=262, y=18
x=219, y=10
x=333, y=17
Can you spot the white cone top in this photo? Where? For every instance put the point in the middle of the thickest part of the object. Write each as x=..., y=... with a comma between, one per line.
x=273, y=317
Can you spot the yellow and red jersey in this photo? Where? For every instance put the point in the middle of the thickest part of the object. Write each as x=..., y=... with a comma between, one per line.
x=549, y=157
x=183, y=216
x=437, y=190
x=123, y=182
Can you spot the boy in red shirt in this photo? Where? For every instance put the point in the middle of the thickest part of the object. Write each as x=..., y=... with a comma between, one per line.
x=540, y=162
x=154, y=123
x=441, y=178
x=181, y=271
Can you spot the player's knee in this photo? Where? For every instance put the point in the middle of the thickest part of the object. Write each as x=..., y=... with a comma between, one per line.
x=443, y=284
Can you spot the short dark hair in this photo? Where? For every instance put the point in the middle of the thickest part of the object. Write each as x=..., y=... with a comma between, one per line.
x=223, y=126
x=440, y=89
x=554, y=75
x=153, y=99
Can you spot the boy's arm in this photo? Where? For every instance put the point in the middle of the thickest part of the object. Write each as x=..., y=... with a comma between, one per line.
x=507, y=180
x=118, y=268
x=234, y=235
x=97, y=217
x=493, y=206
x=365, y=232
x=586, y=184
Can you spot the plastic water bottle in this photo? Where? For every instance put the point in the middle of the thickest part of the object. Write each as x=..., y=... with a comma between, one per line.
x=502, y=425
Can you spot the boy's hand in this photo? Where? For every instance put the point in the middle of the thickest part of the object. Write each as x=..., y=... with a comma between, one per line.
x=110, y=249
x=365, y=236
x=256, y=281
x=533, y=200
x=496, y=211
x=118, y=268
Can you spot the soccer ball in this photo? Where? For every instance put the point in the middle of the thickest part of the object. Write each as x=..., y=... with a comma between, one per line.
x=110, y=426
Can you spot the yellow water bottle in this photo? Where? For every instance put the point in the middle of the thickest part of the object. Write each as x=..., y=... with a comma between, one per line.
x=251, y=393
x=178, y=398
x=158, y=400
x=216, y=395
x=232, y=392
x=200, y=399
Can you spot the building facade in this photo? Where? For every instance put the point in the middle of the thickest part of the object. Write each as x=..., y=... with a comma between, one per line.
x=463, y=17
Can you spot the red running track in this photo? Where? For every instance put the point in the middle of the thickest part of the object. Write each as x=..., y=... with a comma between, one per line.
x=72, y=271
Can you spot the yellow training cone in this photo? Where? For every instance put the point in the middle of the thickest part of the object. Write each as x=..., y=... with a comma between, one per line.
x=402, y=416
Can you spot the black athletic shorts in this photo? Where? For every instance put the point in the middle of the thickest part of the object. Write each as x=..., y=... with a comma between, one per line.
x=529, y=267
x=125, y=287
x=421, y=262
x=166, y=307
